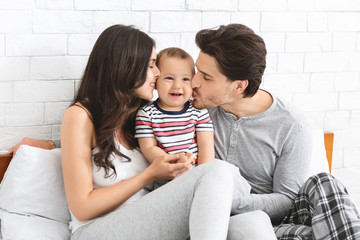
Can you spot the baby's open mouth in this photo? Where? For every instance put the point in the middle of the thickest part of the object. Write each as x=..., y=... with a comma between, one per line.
x=176, y=94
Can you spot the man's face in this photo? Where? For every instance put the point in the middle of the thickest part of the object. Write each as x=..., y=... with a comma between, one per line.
x=210, y=87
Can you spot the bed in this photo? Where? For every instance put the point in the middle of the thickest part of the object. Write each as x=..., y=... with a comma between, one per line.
x=32, y=197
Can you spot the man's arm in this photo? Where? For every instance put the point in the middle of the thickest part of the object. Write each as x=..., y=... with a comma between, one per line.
x=290, y=173
x=45, y=144
x=276, y=205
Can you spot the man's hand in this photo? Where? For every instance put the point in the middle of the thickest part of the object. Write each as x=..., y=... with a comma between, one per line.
x=45, y=144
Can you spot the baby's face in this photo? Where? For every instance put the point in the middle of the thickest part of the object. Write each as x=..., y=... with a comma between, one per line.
x=173, y=85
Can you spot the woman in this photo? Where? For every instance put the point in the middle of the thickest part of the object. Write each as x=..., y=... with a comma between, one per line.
x=105, y=175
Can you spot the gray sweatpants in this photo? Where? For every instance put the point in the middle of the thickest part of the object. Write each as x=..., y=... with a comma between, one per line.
x=197, y=203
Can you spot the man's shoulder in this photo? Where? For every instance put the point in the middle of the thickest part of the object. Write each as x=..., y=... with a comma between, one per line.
x=213, y=110
x=288, y=113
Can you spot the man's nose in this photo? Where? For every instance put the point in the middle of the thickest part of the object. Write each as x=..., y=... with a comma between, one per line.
x=195, y=81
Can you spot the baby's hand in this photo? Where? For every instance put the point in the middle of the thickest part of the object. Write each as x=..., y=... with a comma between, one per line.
x=186, y=157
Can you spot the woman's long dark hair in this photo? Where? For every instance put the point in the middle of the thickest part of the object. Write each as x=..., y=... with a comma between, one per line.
x=117, y=66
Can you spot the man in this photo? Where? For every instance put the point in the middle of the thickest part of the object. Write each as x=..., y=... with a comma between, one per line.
x=266, y=138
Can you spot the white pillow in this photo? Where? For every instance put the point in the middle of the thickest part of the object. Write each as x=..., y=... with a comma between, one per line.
x=33, y=185
x=15, y=226
x=319, y=161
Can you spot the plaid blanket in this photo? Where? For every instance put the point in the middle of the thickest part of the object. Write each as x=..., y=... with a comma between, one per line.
x=322, y=210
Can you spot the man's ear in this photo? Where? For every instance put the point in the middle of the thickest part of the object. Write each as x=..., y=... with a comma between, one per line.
x=240, y=86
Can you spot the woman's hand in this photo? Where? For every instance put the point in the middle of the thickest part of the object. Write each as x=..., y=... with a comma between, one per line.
x=170, y=166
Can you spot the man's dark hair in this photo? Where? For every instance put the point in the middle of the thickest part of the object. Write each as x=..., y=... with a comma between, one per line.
x=238, y=51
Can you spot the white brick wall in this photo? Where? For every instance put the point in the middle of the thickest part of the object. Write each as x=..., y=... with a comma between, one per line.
x=54, y=5
x=308, y=42
x=313, y=55
x=326, y=62
x=14, y=68
x=104, y=19
x=43, y=91
x=339, y=21
x=317, y=22
x=250, y=19
x=45, y=21
x=102, y=5
x=159, y=5
x=213, y=19
x=36, y=44
x=262, y=5
x=81, y=44
x=175, y=22
x=291, y=62
x=2, y=114
x=322, y=82
x=68, y=67
x=283, y=22
x=5, y=93
x=347, y=81
x=355, y=119
x=211, y=5
x=31, y=114
x=354, y=61
x=54, y=112
x=15, y=21
x=2, y=45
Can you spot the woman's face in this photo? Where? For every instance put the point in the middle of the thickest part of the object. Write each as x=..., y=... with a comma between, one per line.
x=153, y=73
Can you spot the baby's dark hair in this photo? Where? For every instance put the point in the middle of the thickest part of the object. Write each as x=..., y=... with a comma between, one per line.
x=177, y=53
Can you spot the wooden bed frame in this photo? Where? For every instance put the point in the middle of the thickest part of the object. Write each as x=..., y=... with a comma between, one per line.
x=328, y=139
x=4, y=163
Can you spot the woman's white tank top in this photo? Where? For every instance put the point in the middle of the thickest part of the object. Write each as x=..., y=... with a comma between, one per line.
x=124, y=170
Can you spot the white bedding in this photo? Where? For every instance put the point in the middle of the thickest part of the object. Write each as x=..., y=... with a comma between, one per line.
x=20, y=227
x=32, y=197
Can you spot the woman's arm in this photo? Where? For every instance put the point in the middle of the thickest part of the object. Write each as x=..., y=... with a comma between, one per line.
x=206, y=149
x=77, y=142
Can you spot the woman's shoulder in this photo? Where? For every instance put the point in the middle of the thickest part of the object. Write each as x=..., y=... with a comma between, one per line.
x=79, y=111
x=78, y=115
x=77, y=122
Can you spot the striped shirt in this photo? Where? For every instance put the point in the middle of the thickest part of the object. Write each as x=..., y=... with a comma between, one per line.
x=175, y=131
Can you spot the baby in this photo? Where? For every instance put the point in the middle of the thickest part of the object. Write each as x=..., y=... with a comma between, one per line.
x=171, y=124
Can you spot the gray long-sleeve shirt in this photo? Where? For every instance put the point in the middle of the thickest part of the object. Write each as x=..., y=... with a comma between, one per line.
x=272, y=151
